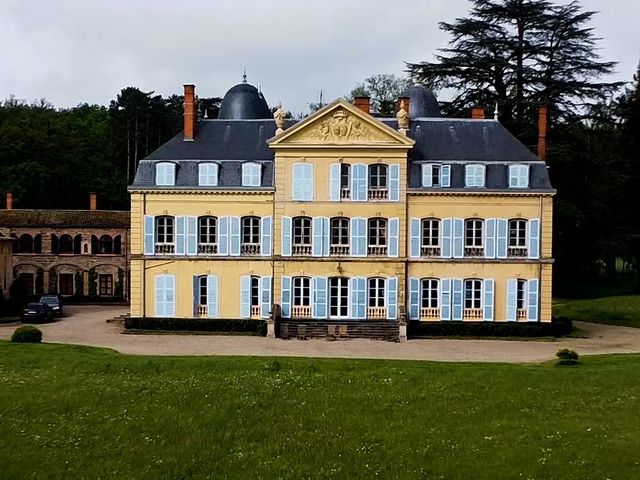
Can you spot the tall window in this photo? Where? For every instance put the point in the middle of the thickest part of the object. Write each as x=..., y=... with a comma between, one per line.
x=25, y=244
x=430, y=244
x=255, y=296
x=208, y=174
x=65, y=244
x=339, y=242
x=376, y=298
x=165, y=235
x=301, y=297
x=251, y=173
x=105, y=244
x=165, y=174
x=250, y=235
x=473, y=299
x=378, y=181
x=207, y=235
x=473, y=237
x=521, y=295
x=339, y=297
x=377, y=230
x=345, y=180
x=201, y=296
x=518, y=176
x=105, y=285
x=429, y=302
x=302, y=182
x=517, y=238
x=301, y=244
x=474, y=175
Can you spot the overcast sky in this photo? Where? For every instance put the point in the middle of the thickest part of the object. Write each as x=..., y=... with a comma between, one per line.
x=75, y=51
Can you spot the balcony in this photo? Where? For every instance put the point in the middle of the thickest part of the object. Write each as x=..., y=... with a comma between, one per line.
x=521, y=314
x=250, y=249
x=255, y=311
x=301, y=250
x=517, y=252
x=165, y=249
x=430, y=251
x=301, y=311
x=474, y=251
x=345, y=193
x=202, y=311
x=377, y=194
x=339, y=250
x=429, y=314
x=473, y=314
x=377, y=251
x=376, y=313
x=207, y=248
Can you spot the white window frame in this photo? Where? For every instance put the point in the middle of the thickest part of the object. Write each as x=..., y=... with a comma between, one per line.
x=378, y=286
x=300, y=230
x=208, y=174
x=251, y=174
x=301, y=292
x=207, y=229
x=475, y=175
x=432, y=286
x=472, y=292
x=430, y=232
x=519, y=240
x=518, y=176
x=165, y=174
x=342, y=301
x=474, y=233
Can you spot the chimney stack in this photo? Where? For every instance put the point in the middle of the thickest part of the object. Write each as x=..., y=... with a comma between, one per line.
x=93, y=202
x=543, y=114
x=189, y=112
x=477, y=113
x=9, y=201
x=363, y=103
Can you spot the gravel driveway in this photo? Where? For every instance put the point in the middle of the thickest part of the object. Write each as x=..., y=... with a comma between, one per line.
x=86, y=325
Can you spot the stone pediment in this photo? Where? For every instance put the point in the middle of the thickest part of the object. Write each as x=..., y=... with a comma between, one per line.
x=340, y=124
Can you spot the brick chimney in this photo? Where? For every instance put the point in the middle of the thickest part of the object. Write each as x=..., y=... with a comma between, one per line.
x=543, y=113
x=9, y=201
x=477, y=113
x=363, y=103
x=189, y=112
x=93, y=202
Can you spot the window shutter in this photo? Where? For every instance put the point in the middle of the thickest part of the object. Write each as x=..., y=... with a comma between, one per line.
x=488, y=299
x=170, y=295
x=359, y=182
x=447, y=237
x=458, y=238
x=392, y=298
x=334, y=182
x=512, y=299
x=245, y=296
x=414, y=298
x=445, y=176
x=490, y=238
x=415, y=237
x=159, y=296
x=468, y=180
x=394, y=182
x=319, y=307
x=192, y=235
x=234, y=236
x=223, y=236
x=427, y=175
x=286, y=236
x=265, y=297
x=285, y=298
x=458, y=298
x=265, y=230
x=296, y=182
x=318, y=236
x=534, y=238
x=358, y=297
x=196, y=294
x=445, y=299
x=308, y=182
x=325, y=239
x=149, y=235
x=359, y=237
x=532, y=300
x=394, y=240
x=180, y=235
x=502, y=236
x=302, y=182
x=212, y=296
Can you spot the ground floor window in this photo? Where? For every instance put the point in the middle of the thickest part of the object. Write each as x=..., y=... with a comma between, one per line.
x=65, y=284
x=105, y=285
x=301, y=291
x=28, y=282
x=472, y=294
x=339, y=297
x=376, y=292
x=429, y=297
x=255, y=296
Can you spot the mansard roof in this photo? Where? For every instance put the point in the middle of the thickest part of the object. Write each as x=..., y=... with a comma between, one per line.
x=65, y=218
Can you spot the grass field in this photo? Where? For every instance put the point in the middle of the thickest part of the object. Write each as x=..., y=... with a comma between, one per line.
x=84, y=413
x=622, y=310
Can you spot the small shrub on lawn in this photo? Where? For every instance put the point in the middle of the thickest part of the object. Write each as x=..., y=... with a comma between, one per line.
x=27, y=334
x=567, y=357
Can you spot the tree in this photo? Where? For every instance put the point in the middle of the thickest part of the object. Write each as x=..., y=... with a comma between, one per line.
x=384, y=89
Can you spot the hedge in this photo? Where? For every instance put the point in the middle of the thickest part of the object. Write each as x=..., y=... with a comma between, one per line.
x=26, y=334
x=556, y=328
x=257, y=327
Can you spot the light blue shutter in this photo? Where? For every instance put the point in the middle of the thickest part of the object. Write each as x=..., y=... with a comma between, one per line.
x=392, y=298
x=326, y=237
x=297, y=186
x=212, y=296
x=458, y=298
x=534, y=238
x=265, y=297
x=359, y=297
x=445, y=176
x=318, y=236
x=319, y=297
x=394, y=182
x=394, y=236
x=192, y=235
x=245, y=296
x=359, y=237
x=196, y=294
x=334, y=182
x=170, y=295
x=427, y=175
x=265, y=230
x=223, y=236
x=160, y=295
x=532, y=301
x=445, y=299
x=234, y=236
x=149, y=235
x=302, y=182
x=414, y=298
x=502, y=236
x=359, y=182
x=512, y=299
x=180, y=235
x=458, y=238
x=447, y=237
x=286, y=236
x=488, y=299
x=490, y=238
x=415, y=237
x=285, y=298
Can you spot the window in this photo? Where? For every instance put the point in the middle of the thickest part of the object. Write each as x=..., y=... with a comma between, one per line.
x=255, y=297
x=250, y=231
x=518, y=176
x=473, y=237
x=301, y=236
x=208, y=174
x=377, y=236
x=521, y=297
x=165, y=174
x=345, y=181
x=376, y=298
x=339, y=242
x=474, y=175
x=65, y=244
x=302, y=182
x=164, y=235
x=25, y=243
x=429, y=303
x=301, y=297
x=251, y=173
x=105, y=245
x=434, y=175
x=339, y=297
x=201, y=296
x=65, y=284
x=105, y=285
x=517, y=238
x=27, y=280
x=207, y=230
x=117, y=245
x=430, y=237
x=473, y=300
x=378, y=182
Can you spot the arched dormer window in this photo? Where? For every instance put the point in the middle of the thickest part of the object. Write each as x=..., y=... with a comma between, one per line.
x=251, y=173
x=518, y=176
x=165, y=174
x=474, y=175
x=208, y=174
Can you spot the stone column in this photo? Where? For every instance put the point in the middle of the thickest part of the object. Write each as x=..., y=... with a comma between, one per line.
x=45, y=281
x=85, y=283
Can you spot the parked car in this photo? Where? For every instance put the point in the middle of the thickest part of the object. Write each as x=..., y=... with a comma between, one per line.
x=55, y=302
x=37, y=312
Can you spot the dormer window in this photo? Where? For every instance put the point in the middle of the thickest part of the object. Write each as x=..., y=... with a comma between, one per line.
x=251, y=173
x=435, y=175
x=208, y=174
x=166, y=174
x=518, y=176
x=474, y=175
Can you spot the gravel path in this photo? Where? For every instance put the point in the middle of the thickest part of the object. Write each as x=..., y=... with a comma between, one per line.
x=86, y=325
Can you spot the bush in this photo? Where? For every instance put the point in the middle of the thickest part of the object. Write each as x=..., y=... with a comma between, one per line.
x=567, y=357
x=257, y=327
x=487, y=329
x=26, y=334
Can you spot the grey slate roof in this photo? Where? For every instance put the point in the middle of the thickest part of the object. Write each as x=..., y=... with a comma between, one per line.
x=65, y=218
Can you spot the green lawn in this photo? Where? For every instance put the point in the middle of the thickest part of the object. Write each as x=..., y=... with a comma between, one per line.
x=78, y=412
x=622, y=310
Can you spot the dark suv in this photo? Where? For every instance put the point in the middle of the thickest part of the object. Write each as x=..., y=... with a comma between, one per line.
x=37, y=313
x=54, y=302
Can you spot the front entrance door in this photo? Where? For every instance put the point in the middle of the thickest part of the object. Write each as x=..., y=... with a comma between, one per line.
x=65, y=285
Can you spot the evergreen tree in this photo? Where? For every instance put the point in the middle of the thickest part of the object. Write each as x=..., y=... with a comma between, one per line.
x=384, y=89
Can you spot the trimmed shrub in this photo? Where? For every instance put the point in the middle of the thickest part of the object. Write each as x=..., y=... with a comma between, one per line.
x=555, y=328
x=567, y=357
x=27, y=334
x=256, y=327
